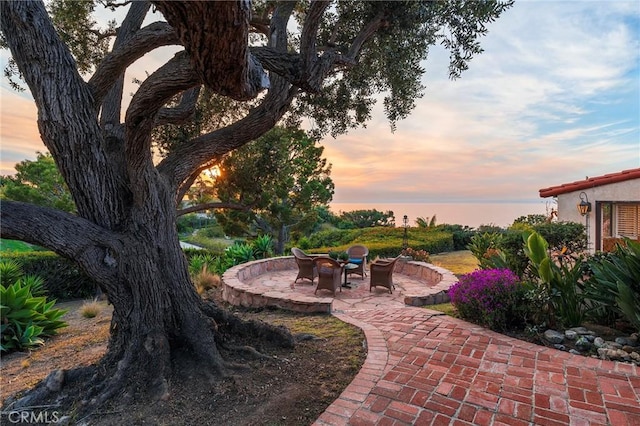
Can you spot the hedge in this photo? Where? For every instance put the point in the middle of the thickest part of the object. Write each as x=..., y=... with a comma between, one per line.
x=63, y=279
x=389, y=244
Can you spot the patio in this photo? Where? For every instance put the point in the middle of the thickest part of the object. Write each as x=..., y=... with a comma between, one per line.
x=270, y=282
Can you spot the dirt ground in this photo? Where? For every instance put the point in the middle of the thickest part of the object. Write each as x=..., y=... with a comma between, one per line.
x=290, y=387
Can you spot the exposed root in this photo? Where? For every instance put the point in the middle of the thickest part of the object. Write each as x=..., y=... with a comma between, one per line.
x=249, y=351
x=231, y=326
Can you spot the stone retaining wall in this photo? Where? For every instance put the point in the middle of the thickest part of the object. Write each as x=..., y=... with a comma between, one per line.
x=437, y=281
x=236, y=291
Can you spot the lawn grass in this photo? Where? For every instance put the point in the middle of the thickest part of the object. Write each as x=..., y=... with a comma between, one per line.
x=14, y=246
x=459, y=262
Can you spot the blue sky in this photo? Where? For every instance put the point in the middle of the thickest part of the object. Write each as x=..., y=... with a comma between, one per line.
x=555, y=97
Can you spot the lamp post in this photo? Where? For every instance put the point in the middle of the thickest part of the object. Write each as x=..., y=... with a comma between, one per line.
x=405, y=238
x=584, y=207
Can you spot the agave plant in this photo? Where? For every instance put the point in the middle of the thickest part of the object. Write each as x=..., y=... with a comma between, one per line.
x=263, y=247
x=240, y=253
x=24, y=316
x=10, y=272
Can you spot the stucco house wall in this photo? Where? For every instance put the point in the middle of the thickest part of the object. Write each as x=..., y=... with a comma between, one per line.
x=616, y=188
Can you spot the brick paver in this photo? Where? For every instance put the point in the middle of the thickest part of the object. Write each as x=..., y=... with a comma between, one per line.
x=425, y=368
x=442, y=371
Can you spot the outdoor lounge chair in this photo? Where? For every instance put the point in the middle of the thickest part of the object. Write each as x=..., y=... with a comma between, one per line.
x=358, y=256
x=306, y=267
x=381, y=272
x=329, y=274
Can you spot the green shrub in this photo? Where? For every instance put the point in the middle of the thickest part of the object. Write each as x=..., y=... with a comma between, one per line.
x=26, y=318
x=262, y=247
x=559, y=277
x=615, y=284
x=499, y=248
x=461, y=235
x=214, y=245
x=63, y=279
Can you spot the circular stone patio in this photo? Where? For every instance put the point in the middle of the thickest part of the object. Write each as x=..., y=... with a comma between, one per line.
x=270, y=282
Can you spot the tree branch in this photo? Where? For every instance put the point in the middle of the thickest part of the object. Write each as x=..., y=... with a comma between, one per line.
x=115, y=63
x=216, y=36
x=66, y=234
x=187, y=158
x=174, y=77
x=181, y=112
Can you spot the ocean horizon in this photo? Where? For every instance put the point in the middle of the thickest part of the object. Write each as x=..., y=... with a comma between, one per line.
x=470, y=214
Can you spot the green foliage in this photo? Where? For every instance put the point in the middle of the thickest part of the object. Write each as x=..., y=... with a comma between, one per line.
x=530, y=220
x=484, y=247
x=392, y=61
x=501, y=248
x=15, y=246
x=281, y=176
x=381, y=241
x=24, y=317
x=240, y=253
x=615, y=284
x=38, y=182
x=425, y=222
x=365, y=219
x=63, y=279
x=461, y=235
x=10, y=271
x=559, y=235
x=79, y=31
x=262, y=247
x=200, y=262
x=195, y=222
x=560, y=278
x=338, y=255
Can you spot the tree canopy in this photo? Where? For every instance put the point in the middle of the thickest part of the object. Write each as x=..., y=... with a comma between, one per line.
x=38, y=182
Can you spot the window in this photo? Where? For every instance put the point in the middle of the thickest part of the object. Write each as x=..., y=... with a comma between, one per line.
x=628, y=223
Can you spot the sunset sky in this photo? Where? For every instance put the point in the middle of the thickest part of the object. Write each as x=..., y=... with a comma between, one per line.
x=554, y=98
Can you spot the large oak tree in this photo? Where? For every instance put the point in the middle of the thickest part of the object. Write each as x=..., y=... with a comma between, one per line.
x=124, y=233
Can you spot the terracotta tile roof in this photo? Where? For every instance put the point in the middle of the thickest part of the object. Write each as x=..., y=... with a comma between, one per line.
x=622, y=176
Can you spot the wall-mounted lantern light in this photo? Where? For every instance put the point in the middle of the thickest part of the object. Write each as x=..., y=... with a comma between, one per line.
x=584, y=206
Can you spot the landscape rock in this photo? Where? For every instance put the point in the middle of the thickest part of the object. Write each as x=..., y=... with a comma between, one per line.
x=582, y=344
x=599, y=342
x=581, y=330
x=570, y=334
x=625, y=341
x=553, y=336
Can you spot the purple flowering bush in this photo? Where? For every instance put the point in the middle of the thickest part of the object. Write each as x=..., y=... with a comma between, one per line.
x=489, y=297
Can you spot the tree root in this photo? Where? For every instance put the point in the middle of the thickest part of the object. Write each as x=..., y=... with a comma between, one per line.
x=230, y=326
x=248, y=350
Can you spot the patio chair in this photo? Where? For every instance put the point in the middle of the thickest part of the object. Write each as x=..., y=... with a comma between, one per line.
x=358, y=256
x=382, y=273
x=306, y=268
x=329, y=274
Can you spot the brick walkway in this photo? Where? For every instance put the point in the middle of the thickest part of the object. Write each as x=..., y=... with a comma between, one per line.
x=425, y=368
